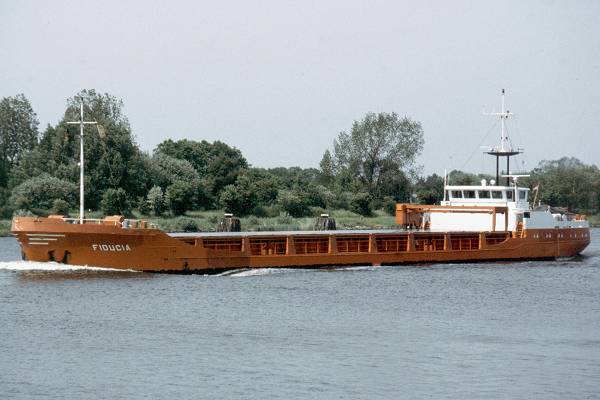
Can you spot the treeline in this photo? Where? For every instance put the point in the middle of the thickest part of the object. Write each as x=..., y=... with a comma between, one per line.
x=372, y=166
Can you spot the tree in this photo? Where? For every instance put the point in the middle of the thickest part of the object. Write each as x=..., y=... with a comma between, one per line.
x=112, y=159
x=456, y=177
x=378, y=146
x=60, y=207
x=180, y=197
x=430, y=190
x=216, y=163
x=166, y=170
x=18, y=132
x=254, y=187
x=41, y=191
x=327, y=168
x=156, y=200
x=115, y=202
x=569, y=183
x=293, y=204
x=361, y=203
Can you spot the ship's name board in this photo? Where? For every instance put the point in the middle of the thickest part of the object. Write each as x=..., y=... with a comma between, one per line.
x=111, y=247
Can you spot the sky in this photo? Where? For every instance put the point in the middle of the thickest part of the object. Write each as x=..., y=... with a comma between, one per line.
x=280, y=79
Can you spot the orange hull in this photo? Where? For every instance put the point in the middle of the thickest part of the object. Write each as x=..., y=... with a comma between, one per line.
x=109, y=245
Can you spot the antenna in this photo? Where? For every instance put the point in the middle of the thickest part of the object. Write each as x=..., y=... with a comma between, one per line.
x=505, y=149
x=81, y=123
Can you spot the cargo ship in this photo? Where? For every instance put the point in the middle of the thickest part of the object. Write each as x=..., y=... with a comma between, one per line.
x=491, y=221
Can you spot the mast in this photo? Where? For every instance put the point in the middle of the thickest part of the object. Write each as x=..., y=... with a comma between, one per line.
x=81, y=123
x=505, y=149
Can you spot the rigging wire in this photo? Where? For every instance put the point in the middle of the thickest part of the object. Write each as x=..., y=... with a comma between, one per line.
x=479, y=146
x=520, y=157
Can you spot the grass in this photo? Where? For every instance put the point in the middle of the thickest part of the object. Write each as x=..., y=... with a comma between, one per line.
x=206, y=221
x=5, y=227
x=594, y=220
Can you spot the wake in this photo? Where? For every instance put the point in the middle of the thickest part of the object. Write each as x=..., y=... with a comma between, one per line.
x=273, y=271
x=50, y=267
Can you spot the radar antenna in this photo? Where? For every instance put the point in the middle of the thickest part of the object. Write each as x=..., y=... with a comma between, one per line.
x=505, y=149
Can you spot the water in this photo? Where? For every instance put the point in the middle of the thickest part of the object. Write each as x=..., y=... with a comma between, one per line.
x=511, y=330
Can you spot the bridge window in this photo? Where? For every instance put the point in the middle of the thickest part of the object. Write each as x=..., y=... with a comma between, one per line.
x=484, y=194
x=509, y=195
x=522, y=195
x=457, y=194
x=496, y=194
x=469, y=194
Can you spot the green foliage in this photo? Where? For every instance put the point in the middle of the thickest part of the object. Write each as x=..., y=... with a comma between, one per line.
x=235, y=202
x=23, y=213
x=285, y=218
x=327, y=169
x=6, y=209
x=111, y=160
x=166, y=170
x=361, y=203
x=373, y=166
x=143, y=206
x=389, y=206
x=180, y=197
x=115, y=202
x=569, y=183
x=252, y=188
x=293, y=204
x=430, y=190
x=216, y=163
x=18, y=132
x=377, y=149
x=341, y=200
x=156, y=200
x=184, y=224
x=60, y=207
x=41, y=191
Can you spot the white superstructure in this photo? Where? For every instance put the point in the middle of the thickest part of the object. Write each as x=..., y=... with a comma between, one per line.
x=513, y=200
x=494, y=207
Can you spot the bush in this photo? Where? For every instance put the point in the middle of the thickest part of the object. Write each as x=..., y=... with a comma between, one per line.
x=389, y=206
x=180, y=197
x=115, y=202
x=284, y=218
x=60, y=207
x=166, y=170
x=253, y=221
x=260, y=211
x=293, y=204
x=23, y=213
x=156, y=200
x=41, y=191
x=317, y=211
x=184, y=224
x=341, y=200
x=234, y=201
x=143, y=206
x=361, y=204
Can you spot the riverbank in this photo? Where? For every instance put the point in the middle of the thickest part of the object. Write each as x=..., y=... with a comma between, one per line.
x=206, y=221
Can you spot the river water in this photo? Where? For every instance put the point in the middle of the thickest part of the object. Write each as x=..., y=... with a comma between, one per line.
x=527, y=330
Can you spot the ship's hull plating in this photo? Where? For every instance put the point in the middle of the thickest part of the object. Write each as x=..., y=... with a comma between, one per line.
x=153, y=250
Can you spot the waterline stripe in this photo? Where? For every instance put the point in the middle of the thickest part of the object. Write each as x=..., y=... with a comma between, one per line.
x=43, y=238
x=45, y=234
